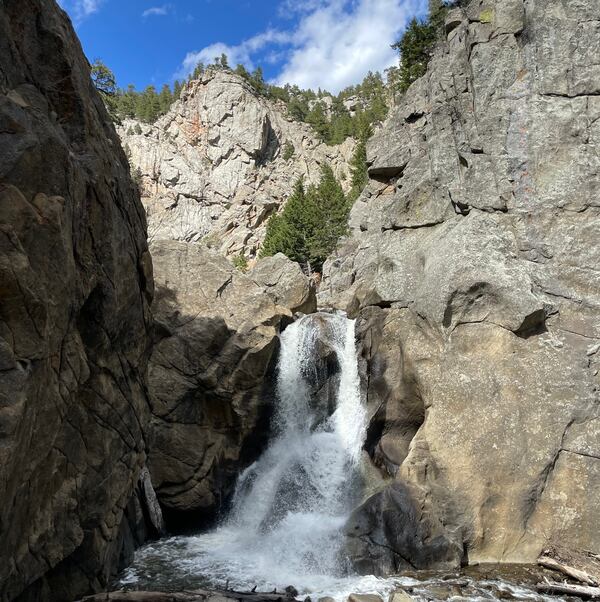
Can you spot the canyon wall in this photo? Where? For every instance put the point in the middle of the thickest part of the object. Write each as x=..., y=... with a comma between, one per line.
x=211, y=374
x=473, y=269
x=75, y=287
x=216, y=166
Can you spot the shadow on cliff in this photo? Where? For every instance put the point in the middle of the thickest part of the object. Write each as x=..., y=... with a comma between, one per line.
x=211, y=396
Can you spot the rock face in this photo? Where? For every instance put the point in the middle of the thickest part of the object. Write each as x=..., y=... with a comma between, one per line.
x=285, y=282
x=213, y=167
x=473, y=270
x=76, y=282
x=210, y=375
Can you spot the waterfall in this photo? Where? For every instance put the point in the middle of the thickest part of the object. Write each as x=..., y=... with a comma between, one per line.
x=291, y=505
x=286, y=523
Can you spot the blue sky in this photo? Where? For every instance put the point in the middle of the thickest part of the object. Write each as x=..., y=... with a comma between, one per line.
x=313, y=43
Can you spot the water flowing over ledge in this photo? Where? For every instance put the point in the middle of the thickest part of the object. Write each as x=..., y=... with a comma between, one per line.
x=286, y=523
x=289, y=509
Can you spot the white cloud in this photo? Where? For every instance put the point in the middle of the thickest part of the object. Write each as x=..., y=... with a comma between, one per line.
x=333, y=45
x=157, y=11
x=80, y=9
x=337, y=44
x=238, y=54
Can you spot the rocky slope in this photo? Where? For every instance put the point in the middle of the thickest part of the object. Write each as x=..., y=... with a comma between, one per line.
x=211, y=374
x=473, y=269
x=213, y=167
x=76, y=283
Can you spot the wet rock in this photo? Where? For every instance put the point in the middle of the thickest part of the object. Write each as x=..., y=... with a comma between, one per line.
x=395, y=530
x=400, y=596
x=364, y=598
x=76, y=283
x=470, y=268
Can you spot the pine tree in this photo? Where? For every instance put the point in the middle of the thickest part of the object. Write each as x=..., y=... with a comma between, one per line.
x=415, y=48
x=127, y=101
x=258, y=81
x=318, y=120
x=330, y=220
x=358, y=168
x=165, y=98
x=437, y=15
x=103, y=78
x=287, y=233
x=242, y=72
x=148, y=108
x=310, y=224
x=198, y=71
x=177, y=87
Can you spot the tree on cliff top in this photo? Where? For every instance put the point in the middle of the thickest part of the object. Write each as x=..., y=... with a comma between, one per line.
x=418, y=42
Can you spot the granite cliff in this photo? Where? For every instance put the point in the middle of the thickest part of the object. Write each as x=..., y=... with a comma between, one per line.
x=472, y=268
x=75, y=288
x=215, y=166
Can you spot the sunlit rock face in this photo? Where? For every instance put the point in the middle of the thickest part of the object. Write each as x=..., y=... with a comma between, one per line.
x=214, y=168
x=75, y=288
x=473, y=270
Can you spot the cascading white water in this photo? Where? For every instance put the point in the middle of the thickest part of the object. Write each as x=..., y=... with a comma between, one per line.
x=286, y=522
x=290, y=506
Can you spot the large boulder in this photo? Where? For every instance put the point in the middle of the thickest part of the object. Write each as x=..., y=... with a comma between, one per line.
x=76, y=282
x=210, y=379
x=286, y=283
x=472, y=268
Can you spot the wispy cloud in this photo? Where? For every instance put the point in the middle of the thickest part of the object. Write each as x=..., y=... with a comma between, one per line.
x=80, y=9
x=157, y=11
x=333, y=44
x=237, y=54
x=338, y=43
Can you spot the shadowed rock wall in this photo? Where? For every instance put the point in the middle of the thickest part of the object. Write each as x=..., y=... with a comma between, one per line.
x=75, y=287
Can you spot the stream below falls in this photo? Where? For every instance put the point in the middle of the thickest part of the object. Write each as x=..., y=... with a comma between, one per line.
x=285, y=526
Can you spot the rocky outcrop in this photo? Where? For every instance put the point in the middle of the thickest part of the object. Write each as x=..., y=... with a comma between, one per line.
x=217, y=165
x=76, y=282
x=210, y=375
x=473, y=270
x=285, y=283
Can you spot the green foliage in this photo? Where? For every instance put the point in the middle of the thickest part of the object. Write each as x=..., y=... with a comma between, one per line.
x=240, y=262
x=103, y=78
x=165, y=99
x=317, y=118
x=311, y=223
x=415, y=48
x=104, y=81
x=417, y=44
x=358, y=168
x=177, y=87
x=288, y=151
x=335, y=127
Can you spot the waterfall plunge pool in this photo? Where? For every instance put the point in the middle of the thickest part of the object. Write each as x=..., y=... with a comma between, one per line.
x=286, y=523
